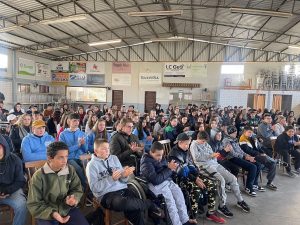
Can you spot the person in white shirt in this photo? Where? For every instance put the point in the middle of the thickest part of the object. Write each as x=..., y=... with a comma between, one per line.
x=280, y=125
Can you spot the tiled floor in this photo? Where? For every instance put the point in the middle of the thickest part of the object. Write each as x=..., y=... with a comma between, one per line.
x=268, y=208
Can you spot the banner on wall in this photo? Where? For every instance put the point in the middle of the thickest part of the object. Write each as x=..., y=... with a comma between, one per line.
x=60, y=66
x=77, y=67
x=95, y=68
x=26, y=67
x=185, y=70
x=60, y=78
x=149, y=78
x=42, y=70
x=121, y=67
x=121, y=79
x=77, y=79
x=95, y=79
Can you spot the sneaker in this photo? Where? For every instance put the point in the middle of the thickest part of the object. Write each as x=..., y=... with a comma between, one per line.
x=290, y=174
x=244, y=206
x=249, y=192
x=258, y=188
x=225, y=211
x=297, y=171
x=271, y=186
x=213, y=217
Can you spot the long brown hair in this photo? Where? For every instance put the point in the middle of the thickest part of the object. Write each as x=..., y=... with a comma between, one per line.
x=96, y=130
x=90, y=121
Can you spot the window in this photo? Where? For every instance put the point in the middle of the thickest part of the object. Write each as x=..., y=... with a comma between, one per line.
x=24, y=88
x=232, y=75
x=86, y=94
x=288, y=69
x=232, y=69
x=43, y=89
x=3, y=61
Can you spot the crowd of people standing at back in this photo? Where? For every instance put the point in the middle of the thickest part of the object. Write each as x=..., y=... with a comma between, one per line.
x=209, y=144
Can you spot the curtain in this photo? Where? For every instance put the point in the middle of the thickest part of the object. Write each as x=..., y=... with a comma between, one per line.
x=259, y=102
x=277, y=101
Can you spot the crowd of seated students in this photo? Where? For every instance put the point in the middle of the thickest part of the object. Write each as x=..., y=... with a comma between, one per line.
x=210, y=146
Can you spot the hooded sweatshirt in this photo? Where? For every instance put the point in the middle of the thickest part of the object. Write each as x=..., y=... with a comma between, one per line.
x=92, y=137
x=71, y=139
x=236, y=149
x=11, y=170
x=33, y=148
x=202, y=155
x=99, y=175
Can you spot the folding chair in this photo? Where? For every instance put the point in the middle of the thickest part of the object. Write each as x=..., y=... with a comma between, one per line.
x=167, y=146
x=96, y=204
x=31, y=168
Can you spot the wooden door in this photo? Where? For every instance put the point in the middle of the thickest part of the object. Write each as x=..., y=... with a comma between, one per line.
x=150, y=100
x=117, y=98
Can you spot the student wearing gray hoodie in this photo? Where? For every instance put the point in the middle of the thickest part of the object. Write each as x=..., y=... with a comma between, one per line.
x=108, y=182
x=206, y=159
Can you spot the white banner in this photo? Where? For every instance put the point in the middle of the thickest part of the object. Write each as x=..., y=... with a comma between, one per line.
x=185, y=70
x=149, y=78
x=123, y=79
x=60, y=66
x=42, y=70
x=26, y=67
x=95, y=68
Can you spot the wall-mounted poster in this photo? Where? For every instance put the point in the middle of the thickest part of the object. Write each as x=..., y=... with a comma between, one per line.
x=59, y=78
x=199, y=70
x=121, y=79
x=95, y=79
x=121, y=67
x=77, y=79
x=42, y=70
x=26, y=67
x=77, y=67
x=176, y=70
x=149, y=78
x=60, y=66
x=95, y=68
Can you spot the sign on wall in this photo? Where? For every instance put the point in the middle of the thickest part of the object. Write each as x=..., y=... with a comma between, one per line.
x=77, y=67
x=60, y=66
x=185, y=70
x=26, y=67
x=95, y=68
x=149, y=78
x=77, y=79
x=121, y=79
x=59, y=78
x=42, y=70
x=95, y=79
x=121, y=67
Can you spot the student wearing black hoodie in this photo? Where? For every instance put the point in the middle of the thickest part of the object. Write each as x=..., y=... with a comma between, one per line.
x=11, y=182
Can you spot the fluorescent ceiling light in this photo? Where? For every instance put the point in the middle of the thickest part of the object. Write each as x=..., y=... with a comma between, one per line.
x=6, y=29
x=105, y=42
x=260, y=12
x=63, y=19
x=175, y=38
x=157, y=13
x=294, y=47
x=53, y=49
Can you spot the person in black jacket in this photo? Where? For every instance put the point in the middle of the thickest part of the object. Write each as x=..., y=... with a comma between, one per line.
x=11, y=182
x=252, y=147
x=286, y=144
x=192, y=182
x=125, y=146
x=53, y=122
x=158, y=172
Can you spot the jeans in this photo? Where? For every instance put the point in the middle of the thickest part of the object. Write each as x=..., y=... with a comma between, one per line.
x=286, y=158
x=17, y=201
x=230, y=166
x=76, y=163
x=126, y=201
x=251, y=168
x=76, y=218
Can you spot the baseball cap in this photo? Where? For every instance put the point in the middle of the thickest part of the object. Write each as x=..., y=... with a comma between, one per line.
x=11, y=117
x=231, y=129
x=182, y=137
x=38, y=123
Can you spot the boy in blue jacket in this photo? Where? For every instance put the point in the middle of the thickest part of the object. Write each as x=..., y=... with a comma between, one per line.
x=34, y=145
x=158, y=172
x=76, y=141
